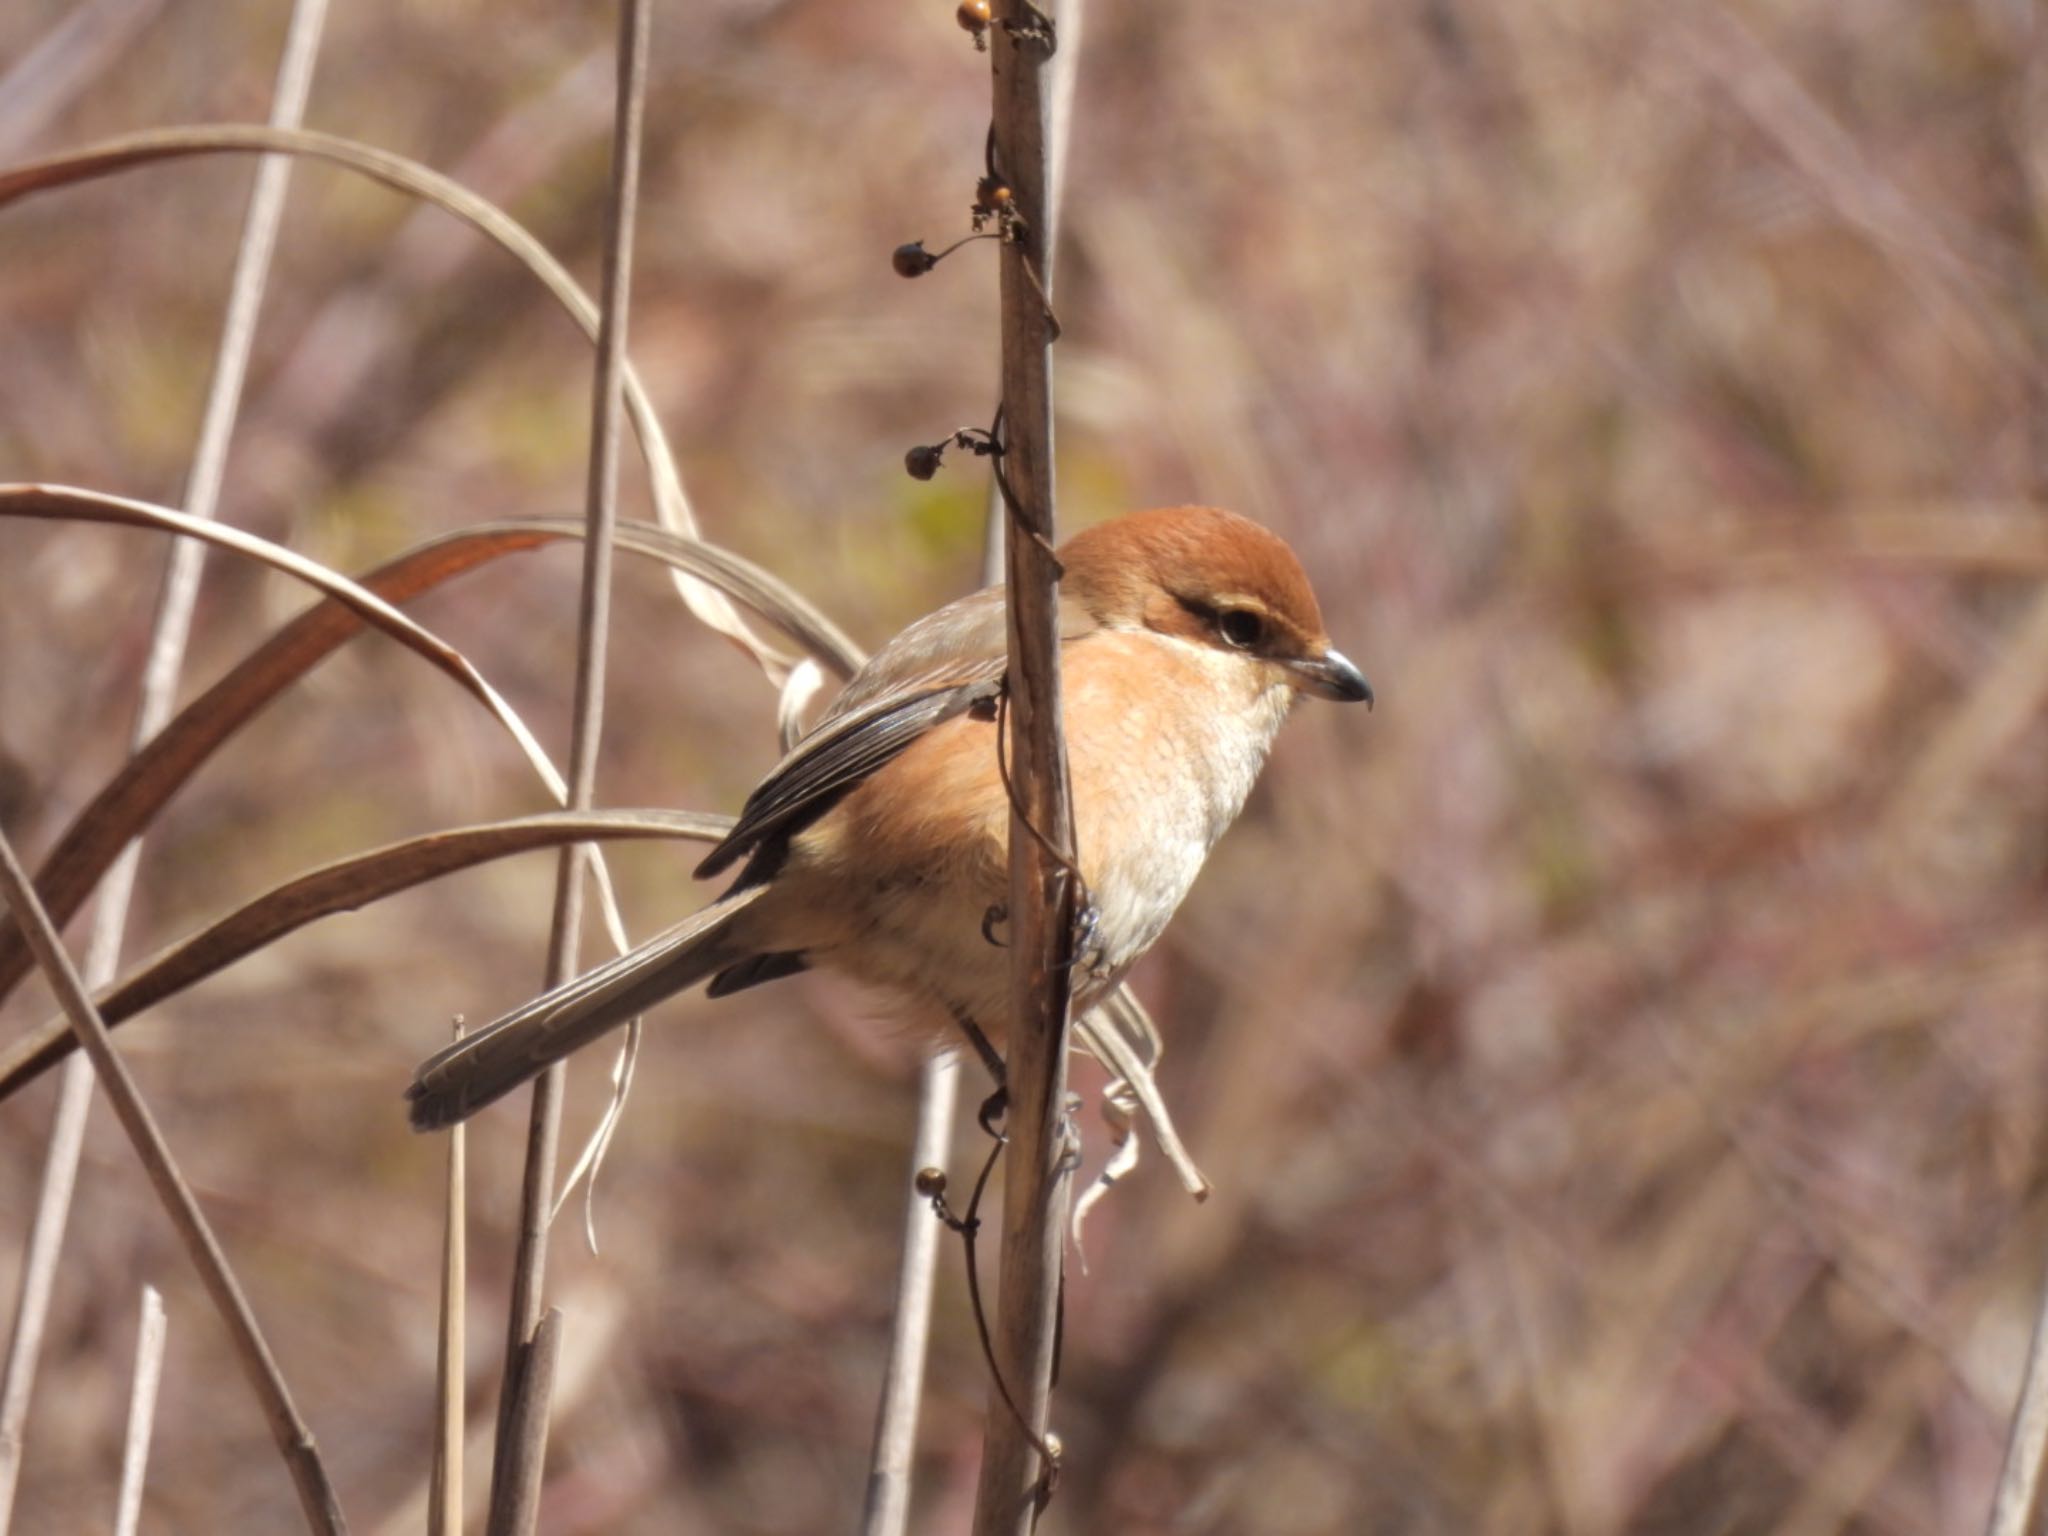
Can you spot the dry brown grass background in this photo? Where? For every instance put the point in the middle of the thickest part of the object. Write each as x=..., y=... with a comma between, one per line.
x=1621, y=1056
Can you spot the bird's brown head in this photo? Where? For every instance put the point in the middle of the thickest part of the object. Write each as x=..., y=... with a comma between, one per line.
x=1213, y=578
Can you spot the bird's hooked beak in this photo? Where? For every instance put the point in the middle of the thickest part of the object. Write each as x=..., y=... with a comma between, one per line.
x=1331, y=676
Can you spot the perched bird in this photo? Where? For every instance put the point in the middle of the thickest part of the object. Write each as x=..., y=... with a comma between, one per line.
x=878, y=848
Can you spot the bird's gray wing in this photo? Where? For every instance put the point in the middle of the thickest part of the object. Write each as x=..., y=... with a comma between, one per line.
x=942, y=666
x=837, y=756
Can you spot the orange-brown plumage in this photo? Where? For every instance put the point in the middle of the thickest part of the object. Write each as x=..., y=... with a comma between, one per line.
x=878, y=847
x=1147, y=563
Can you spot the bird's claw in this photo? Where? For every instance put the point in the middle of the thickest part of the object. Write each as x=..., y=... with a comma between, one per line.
x=1084, y=953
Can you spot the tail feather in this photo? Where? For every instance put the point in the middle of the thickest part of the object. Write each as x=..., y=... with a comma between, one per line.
x=480, y=1068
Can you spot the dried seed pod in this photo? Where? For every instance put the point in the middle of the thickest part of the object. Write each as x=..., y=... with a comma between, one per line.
x=912, y=260
x=931, y=1182
x=991, y=195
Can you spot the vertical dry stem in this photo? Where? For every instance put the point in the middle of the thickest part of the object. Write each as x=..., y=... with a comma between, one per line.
x=294, y=1439
x=444, y=1483
x=887, y=1512
x=151, y=1329
x=523, y=1430
x=1042, y=893
x=522, y=1421
x=888, y=1505
x=156, y=698
x=2016, y=1509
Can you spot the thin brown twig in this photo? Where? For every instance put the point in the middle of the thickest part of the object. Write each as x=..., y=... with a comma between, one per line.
x=1017, y=807
x=156, y=698
x=522, y=1425
x=294, y=1439
x=967, y=1226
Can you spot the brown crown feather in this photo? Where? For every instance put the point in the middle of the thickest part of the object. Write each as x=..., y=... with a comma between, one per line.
x=1201, y=555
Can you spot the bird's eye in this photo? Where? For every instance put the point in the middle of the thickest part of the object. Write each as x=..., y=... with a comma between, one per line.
x=1242, y=628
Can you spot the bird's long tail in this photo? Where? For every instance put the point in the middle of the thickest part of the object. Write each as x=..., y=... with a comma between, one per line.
x=489, y=1064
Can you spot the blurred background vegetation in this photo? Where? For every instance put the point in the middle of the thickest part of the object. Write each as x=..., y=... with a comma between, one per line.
x=1621, y=1057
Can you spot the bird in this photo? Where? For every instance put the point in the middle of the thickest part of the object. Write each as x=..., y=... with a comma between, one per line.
x=878, y=847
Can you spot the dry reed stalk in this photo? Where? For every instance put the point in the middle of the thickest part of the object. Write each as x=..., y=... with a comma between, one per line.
x=530, y=1348
x=2016, y=1508
x=1043, y=895
x=294, y=1439
x=522, y=1447
x=887, y=1511
x=444, y=1482
x=150, y=1332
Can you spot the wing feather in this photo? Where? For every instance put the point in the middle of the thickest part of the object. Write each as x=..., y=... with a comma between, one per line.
x=833, y=759
x=942, y=666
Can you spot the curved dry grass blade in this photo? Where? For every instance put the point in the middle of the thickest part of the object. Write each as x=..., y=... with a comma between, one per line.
x=798, y=689
x=128, y=151
x=590, y=1161
x=1119, y=1112
x=122, y=809
x=63, y=503
x=294, y=1438
x=746, y=583
x=131, y=799
x=1120, y=1034
x=342, y=886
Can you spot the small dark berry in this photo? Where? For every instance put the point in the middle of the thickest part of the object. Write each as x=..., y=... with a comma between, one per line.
x=923, y=462
x=931, y=1182
x=912, y=260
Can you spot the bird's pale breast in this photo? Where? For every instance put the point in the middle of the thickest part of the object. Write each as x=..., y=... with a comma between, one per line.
x=1164, y=741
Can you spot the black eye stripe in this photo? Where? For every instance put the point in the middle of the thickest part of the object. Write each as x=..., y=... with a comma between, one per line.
x=1240, y=628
